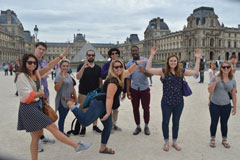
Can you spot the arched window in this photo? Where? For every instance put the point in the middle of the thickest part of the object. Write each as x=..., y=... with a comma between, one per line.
x=227, y=56
x=211, y=55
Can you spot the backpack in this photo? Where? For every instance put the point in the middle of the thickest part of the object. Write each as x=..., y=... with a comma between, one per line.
x=91, y=95
x=76, y=129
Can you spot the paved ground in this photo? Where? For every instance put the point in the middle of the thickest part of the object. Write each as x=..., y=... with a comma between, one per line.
x=193, y=135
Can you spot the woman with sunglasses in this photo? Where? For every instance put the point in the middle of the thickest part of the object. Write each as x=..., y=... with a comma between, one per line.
x=222, y=87
x=172, y=102
x=101, y=106
x=30, y=115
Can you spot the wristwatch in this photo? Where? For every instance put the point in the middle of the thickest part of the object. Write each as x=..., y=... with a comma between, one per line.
x=136, y=62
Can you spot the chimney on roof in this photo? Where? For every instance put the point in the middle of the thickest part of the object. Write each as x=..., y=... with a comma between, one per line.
x=9, y=16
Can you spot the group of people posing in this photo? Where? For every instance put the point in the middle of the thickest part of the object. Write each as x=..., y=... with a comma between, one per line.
x=120, y=79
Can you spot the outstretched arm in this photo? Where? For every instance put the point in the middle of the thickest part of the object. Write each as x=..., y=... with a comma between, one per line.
x=197, y=64
x=149, y=69
x=133, y=67
x=53, y=63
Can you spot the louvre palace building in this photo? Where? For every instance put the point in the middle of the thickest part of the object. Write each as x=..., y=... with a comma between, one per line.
x=203, y=30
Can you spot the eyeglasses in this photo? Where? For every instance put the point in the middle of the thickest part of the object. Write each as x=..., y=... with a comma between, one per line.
x=116, y=67
x=224, y=67
x=91, y=55
x=32, y=62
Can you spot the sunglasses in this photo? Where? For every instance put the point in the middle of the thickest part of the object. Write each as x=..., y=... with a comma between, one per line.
x=116, y=67
x=91, y=55
x=114, y=53
x=224, y=67
x=32, y=62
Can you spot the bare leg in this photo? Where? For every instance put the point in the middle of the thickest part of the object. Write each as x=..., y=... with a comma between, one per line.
x=34, y=143
x=60, y=136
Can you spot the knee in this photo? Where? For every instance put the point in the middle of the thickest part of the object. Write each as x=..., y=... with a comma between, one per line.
x=52, y=127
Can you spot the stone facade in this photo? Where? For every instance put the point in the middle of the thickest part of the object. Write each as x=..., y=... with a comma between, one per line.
x=14, y=41
x=203, y=31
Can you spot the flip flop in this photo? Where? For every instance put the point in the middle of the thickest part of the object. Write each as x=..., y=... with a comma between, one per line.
x=212, y=143
x=107, y=151
x=176, y=147
x=166, y=147
x=225, y=144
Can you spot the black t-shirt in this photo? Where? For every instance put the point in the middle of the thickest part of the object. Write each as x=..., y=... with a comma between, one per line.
x=90, y=79
x=116, y=101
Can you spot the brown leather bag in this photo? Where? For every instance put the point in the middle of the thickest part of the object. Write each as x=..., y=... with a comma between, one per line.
x=47, y=109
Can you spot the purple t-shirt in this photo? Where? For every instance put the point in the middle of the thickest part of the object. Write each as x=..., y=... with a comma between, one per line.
x=42, y=64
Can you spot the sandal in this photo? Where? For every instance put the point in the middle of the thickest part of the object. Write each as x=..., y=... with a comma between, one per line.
x=176, y=147
x=225, y=144
x=166, y=147
x=212, y=143
x=107, y=151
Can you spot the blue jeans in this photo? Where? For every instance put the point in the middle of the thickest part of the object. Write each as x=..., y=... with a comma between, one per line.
x=167, y=111
x=222, y=112
x=95, y=110
x=62, y=116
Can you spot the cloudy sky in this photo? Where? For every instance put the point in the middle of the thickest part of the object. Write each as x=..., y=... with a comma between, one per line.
x=108, y=21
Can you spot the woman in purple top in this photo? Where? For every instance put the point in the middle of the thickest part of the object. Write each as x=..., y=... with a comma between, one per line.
x=172, y=101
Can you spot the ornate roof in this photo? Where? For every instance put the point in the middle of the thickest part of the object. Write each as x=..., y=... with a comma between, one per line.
x=4, y=17
x=154, y=23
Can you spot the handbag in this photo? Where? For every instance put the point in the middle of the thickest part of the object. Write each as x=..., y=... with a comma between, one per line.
x=186, y=90
x=47, y=110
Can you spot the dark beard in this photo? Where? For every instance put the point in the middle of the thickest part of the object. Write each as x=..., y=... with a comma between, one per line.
x=90, y=60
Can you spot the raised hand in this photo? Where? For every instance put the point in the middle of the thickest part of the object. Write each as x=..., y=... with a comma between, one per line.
x=153, y=50
x=86, y=64
x=197, y=53
x=64, y=75
x=65, y=52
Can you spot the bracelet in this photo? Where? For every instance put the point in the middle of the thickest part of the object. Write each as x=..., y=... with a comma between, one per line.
x=136, y=63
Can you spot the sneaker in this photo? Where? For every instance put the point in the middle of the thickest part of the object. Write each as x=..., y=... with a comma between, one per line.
x=96, y=129
x=137, y=131
x=81, y=146
x=83, y=132
x=47, y=140
x=116, y=128
x=40, y=148
x=146, y=131
x=112, y=131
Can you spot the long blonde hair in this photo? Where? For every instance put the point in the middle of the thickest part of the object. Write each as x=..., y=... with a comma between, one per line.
x=111, y=74
x=230, y=74
x=177, y=69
